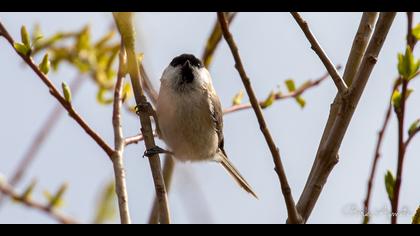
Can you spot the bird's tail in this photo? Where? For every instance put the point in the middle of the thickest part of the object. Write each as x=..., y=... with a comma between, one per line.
x=235, y=174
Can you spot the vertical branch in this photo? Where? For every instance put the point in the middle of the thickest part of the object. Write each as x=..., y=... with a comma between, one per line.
x=411, y=42
x=168, y=171
x=327, y=155
x=126, y=29
x=290, y=204
x=119, y=142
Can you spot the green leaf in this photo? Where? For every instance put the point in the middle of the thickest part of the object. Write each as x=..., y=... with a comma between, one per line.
x=29, y=190
x=105, y=39
x=57, y=200
x=390, y=184
x=300, y=101
x=290, y=84
x=22, y=49
x=237, y=99
x=126, y=92
x=106, y=208
x=269, y=100
x=396, y=99
x=45, y=65
x=416, y=217
x=26, y=40
x=416, y=31
x=66, y=92
x=100, y=97
x=413, y=127
x=407, y=64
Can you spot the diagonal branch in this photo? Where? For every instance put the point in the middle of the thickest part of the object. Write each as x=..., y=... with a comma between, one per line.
x=40, y=138
x=125, y=26
x=55, y=93
x=6, y=189
x=327, y=155
x=338, y=81
x=290, y=204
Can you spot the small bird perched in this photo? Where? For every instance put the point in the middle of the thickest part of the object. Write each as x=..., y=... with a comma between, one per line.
x=190, y=116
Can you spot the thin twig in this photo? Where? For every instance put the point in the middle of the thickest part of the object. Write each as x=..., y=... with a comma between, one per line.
x=46, y=208
x=117, y=157
x=400, y=111
x=55, y=93
x=377, y=156
x=327, y=154
x=299, y=91
x=126, y=29
x=339, y=82
x=401, y=152
x=412, y=135
x=290, y=204
x=40, y=138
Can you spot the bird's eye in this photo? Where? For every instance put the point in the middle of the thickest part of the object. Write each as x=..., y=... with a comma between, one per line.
x=180, y=60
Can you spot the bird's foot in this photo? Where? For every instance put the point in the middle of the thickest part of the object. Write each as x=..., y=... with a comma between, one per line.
x=156, y=150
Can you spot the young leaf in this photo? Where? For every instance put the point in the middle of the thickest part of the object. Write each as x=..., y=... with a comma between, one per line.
x=269, y=100
x=29, y=190
x=390, y=184
x=45, y=65
x=66, y=92
x=290, y=84
x=413, y=127
x=22, y=49
x=57, y=199
x=300, y=101
x=407, y=64
x=416, y=31
x=416, y=217
x=237, y=99
x=396, y=99
x=26, y=40
x=126, y=92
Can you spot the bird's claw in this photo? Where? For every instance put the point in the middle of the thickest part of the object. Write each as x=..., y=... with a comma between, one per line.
x=155, y=150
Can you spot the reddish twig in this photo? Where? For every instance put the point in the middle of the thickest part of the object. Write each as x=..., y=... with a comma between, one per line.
x=381, y=135
x=55, y=93
x=287, y=193
x=46, y=208
x=299, y=91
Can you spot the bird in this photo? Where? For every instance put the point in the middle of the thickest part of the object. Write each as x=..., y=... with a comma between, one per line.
x=190, y=117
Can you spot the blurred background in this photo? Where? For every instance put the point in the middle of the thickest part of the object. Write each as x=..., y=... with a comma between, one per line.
x=273, y=49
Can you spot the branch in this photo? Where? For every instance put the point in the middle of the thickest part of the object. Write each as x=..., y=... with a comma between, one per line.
x=55, y=93
x=290, y=204
x=117, y=157
x=339, y=82
x=126, y=29
x=214, y=40
x=327, y=154
x=299, y=91
x=410, y=138
x=40, y=139
x=377, y=156
x=359, y=46
x=6, y=189
x=402, y=145
x=168, y=172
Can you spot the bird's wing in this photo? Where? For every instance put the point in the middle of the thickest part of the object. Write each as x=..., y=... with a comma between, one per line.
x=217, y=115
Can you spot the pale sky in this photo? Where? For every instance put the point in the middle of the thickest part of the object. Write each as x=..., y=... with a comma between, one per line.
x=273, y=49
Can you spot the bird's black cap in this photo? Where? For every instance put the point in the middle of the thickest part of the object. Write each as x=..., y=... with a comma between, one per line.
x=181, y=59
